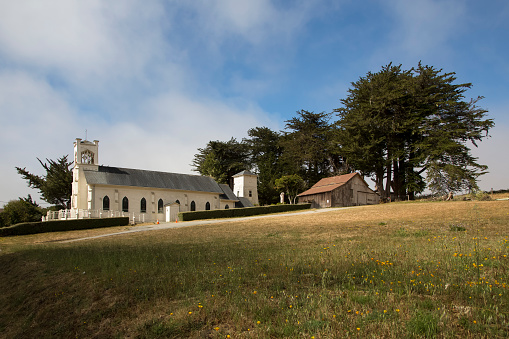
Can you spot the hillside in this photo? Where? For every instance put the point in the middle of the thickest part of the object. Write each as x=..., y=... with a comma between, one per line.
x=394, y=270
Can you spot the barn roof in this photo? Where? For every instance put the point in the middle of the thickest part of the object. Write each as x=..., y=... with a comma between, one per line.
x=329, y=184
x=151, y=179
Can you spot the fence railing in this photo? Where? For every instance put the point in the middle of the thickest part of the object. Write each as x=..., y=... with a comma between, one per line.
x=93, y=214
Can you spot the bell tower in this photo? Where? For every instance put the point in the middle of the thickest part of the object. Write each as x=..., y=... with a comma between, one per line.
x=245, y=184
x=86, y=154
x=86, y=157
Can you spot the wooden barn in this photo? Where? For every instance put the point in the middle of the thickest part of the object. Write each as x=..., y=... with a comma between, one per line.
x=343, y=190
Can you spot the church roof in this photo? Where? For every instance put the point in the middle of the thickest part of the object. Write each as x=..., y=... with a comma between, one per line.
x=243, y=202
x=227, y=193
x=151, y=179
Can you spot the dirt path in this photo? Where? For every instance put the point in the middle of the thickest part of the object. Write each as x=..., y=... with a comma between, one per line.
x=168, y=225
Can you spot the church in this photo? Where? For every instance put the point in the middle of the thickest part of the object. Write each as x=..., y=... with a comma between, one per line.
x=148, y=196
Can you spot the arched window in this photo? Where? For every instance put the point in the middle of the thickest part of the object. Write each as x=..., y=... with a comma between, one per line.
x=227, y=207
x=125, y=205
x=160, y=206
x=106, y=203
x=143, y=205
x=207, y=206
x=193, y=206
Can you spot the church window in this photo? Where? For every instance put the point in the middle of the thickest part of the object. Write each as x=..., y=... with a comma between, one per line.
x=227, y=207
x=250, y=194
x=106, y=203
x=160, y=206
x=193, y=206
x=207, y=206
x=125, y=205
x=143, y=205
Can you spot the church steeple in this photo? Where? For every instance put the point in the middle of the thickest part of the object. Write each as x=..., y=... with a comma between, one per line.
x=86, y=154
x=86, y=157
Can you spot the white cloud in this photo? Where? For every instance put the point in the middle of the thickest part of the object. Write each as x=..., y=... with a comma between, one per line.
x=167, y=138
x=82, y=42
x=491, y=152
x=34, y=119
x=423, y=28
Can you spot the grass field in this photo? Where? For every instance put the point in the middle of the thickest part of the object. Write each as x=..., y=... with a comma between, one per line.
x=399, y=270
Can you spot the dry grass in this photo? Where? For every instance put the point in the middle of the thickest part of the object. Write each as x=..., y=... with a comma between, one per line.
x=401, y=269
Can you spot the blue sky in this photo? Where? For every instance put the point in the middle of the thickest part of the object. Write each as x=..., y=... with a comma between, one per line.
x=156, y=80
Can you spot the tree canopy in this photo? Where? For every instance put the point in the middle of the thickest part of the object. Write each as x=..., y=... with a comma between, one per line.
x=309, y=147
x=406, y=129
x=265, y=157
x=222, y=160
x=292, y=185
x=56, y=186
x=399, y=124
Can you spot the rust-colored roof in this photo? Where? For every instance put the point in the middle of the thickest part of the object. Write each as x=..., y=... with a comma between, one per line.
x=328, y=184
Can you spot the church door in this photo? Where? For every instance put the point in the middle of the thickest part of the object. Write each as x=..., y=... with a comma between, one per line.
x=172, y=211
x=168, y=213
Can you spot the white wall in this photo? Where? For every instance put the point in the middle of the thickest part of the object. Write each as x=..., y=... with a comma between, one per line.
x=152, y=196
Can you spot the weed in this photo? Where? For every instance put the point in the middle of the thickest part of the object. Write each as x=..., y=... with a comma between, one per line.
x=423, y=323
x=457, y=228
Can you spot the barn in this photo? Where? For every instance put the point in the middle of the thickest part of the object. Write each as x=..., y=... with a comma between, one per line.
x=339, y=191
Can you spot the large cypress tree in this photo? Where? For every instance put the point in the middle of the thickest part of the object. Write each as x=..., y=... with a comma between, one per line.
x=399, y=124
x=56, y=186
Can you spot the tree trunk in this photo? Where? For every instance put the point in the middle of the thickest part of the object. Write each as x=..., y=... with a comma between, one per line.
x=389, y=177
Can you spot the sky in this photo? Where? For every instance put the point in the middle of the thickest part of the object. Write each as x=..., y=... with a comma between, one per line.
x=153, y=81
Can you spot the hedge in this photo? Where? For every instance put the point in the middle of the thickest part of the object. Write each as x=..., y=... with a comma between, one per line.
x=240, y=212
x=61, y=225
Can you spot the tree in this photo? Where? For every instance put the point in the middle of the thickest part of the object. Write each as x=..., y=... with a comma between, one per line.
x=222, y=160
x=309, y=147
x=21, y=210
x=397, y=124
x=56, y=186
x=265, y=152
x=291, y=185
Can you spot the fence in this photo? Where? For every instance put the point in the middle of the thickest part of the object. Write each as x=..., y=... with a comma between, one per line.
x=93, y=214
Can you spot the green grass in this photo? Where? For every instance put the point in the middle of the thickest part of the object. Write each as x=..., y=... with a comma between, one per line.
x=334, y=274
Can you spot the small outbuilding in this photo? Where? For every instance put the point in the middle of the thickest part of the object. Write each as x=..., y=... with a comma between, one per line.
x=340, y=191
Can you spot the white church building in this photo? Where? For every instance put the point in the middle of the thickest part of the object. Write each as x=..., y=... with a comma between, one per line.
x=148, y=196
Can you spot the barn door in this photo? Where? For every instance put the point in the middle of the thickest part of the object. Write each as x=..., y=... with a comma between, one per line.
x=362, y=198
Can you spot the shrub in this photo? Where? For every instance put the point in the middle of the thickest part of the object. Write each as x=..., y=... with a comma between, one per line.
x=480, y=195
x=21, y=210
x=61, y=225
x=240, y=212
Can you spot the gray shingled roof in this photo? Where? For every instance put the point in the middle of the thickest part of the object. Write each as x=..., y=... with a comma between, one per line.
x=243, y=202
x=140, y=178
x=244, y=173
x=228, y=193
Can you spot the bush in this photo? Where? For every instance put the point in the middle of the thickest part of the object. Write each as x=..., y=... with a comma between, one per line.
x=21, y=210
x=480, y=195
x=240, y=212
x=61, y=225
